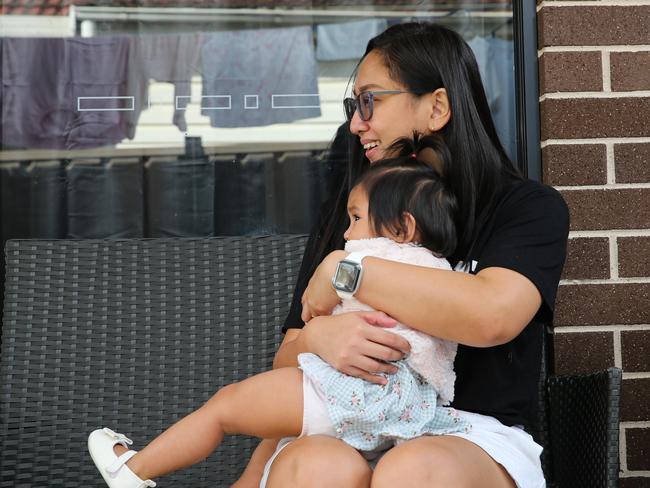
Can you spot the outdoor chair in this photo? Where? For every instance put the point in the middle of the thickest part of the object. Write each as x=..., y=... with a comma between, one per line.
x=134, y=334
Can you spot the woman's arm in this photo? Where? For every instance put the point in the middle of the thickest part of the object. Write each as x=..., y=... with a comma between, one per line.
x=482, y=310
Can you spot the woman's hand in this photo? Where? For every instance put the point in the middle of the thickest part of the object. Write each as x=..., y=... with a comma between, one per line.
x=357, y=343
x=319, y=297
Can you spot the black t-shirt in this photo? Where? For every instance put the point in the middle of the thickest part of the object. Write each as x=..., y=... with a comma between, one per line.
x=527, y=234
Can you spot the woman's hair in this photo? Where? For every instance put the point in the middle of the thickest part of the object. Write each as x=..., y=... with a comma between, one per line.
x=424, y=57
x=409, y=184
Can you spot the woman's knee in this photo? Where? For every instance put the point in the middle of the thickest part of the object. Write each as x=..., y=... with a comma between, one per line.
x=423, y=464
x=317, y=461
x=440, y=461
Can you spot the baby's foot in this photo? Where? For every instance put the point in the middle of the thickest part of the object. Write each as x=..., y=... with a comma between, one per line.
x=110, y=454
x=119, y=449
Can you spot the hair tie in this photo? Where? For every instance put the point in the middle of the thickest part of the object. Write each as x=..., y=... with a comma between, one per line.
x=413, y=155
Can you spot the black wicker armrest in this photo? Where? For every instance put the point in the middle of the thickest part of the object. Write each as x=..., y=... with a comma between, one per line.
x=583, y=429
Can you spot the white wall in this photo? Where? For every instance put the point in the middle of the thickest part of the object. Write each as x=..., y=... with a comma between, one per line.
x=155, y=128
x=36, y=26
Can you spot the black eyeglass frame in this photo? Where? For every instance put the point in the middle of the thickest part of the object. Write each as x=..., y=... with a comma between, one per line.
x=351, y=105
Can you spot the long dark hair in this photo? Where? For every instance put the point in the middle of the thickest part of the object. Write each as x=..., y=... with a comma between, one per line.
x=424, y=57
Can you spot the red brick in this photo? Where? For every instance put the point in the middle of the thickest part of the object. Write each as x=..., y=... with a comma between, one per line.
x=609, y=209
x=634, y=482
x=568, y=72
x=583, y=352
x=604, y=304
x=593, y=25
x=631, y=163
x=635, y=394
x=574, y=164
x=635, y=345
x=630, y=71
x=638, y=449
x=576, y=118
x=587, y=258
x=633, y=257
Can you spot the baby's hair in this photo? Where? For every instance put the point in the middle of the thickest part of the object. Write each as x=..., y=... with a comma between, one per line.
x=411, y=183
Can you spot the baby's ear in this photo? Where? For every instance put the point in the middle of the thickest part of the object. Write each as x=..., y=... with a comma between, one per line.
x=411, y=227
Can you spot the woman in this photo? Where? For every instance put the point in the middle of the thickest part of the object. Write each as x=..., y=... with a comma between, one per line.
x=512, y=244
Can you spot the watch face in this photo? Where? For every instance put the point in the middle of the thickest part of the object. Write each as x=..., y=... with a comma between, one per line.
x=346, y=277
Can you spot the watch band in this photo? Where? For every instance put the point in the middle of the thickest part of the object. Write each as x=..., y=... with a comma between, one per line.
x=355, y=261
x=356, y=257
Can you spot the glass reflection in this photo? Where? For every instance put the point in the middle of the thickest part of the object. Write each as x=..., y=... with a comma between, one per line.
x=197, y=118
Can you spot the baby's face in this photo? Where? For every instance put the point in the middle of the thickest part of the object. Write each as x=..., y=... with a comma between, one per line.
x=358, y=213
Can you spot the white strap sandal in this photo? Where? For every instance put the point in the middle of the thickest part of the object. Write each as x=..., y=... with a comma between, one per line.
x=113, y=469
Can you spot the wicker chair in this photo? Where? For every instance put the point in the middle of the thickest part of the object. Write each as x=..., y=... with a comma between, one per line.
x=137, y=333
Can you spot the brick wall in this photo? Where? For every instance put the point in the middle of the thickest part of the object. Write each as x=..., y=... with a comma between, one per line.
x=594, y=66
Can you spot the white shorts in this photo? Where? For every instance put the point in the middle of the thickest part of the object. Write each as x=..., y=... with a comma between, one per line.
x=511, y=447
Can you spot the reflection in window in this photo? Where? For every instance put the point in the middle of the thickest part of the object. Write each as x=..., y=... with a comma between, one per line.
x=200, y=118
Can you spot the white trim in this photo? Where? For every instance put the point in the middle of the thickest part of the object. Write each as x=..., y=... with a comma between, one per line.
x=257, y=102
x=601, y=140
x=622, y=449
x=618, y=356
x=613, y=258
x=615, y=186
x=610, y=233
x=568, y=329
x=620, y=281
x=216, y=97
x=611, y=48
x=594, y=3
x=636, y=376
x=180, y=14
x=594, y=94
x=611, y=169
x=639, y=424
x=280, y=96
x=606, y=68
x=631, y=474
x=118, y=109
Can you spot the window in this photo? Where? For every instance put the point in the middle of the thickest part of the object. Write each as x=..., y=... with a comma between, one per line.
x=198, y=118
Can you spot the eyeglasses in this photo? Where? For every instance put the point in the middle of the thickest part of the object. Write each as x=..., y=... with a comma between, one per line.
x=364, y=103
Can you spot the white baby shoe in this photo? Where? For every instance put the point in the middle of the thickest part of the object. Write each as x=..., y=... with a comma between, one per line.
x=113, y=469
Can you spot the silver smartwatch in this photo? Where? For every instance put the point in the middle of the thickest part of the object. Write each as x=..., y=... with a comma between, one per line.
x=347, y=278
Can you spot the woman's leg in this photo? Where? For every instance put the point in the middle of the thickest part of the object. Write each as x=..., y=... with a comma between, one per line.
x=319, y=461
x=440, y=461
x=267, y=405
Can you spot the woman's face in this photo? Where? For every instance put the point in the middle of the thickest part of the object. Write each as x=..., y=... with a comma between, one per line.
x=394, y=115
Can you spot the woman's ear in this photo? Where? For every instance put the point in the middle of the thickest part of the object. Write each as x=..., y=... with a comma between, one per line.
x=440, y=110
x=411, y=227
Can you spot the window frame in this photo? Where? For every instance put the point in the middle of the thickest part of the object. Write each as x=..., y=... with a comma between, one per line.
x=527, y=89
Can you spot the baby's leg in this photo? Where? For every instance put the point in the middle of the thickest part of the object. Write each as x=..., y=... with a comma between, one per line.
x=267, y=405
